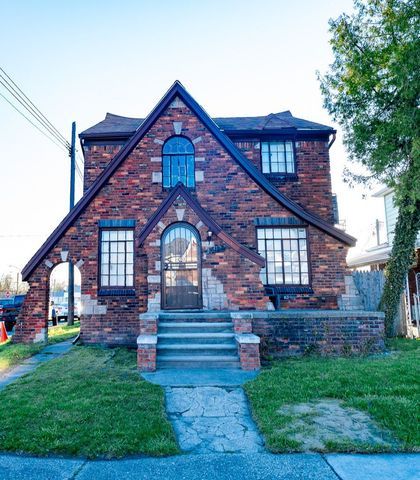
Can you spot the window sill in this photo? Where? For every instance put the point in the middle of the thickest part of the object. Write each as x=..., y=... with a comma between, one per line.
x=168, y=189
x=287, y=289
x=285, y=177
x=117, y=292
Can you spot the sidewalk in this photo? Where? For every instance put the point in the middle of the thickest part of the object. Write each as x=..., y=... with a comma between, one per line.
x=259, y=466
x=50, y=352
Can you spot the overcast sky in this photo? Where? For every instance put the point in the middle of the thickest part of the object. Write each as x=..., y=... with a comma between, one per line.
x=78, y=60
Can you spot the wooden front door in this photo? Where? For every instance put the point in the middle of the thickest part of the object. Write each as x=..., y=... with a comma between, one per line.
x=181, y=267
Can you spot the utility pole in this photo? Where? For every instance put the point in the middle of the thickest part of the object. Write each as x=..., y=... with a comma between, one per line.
x=70, y=305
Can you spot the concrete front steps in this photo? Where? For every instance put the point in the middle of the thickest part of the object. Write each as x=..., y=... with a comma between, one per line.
x=196, y=340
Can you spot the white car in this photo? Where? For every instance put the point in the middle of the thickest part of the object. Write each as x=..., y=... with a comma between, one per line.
x=62, y=311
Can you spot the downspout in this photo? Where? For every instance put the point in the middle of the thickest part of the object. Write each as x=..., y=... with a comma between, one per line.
x=330, y=144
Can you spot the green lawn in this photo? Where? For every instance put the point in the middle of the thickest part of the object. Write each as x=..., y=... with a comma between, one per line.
x=386, y=387
x=12, y=354
x=90, y=402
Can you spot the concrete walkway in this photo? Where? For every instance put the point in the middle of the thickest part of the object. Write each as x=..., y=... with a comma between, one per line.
x=258, y=466
x=209, y=410
x=48, y=353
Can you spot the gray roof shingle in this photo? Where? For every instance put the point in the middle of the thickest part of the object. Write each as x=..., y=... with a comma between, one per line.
x=116, y=125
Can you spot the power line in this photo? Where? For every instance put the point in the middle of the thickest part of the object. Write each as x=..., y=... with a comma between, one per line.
x=32, y=106
x=31, y=112
x=47, y=128
x=79, y=172
x=82, y=160
x=33, y=124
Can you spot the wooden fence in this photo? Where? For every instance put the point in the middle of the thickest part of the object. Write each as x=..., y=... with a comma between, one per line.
x=370, y=286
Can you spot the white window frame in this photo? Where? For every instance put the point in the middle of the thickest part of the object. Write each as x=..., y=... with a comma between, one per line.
x=116, y=258
x=286, y=252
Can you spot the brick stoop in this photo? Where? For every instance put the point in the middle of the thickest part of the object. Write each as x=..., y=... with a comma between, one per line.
x=196, y=340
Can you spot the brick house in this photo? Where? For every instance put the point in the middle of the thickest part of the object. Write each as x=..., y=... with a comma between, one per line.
x=195, y=220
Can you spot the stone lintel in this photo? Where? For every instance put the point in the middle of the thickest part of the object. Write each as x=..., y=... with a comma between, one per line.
x=241, y=315
x=246, y=338
x=156, y=177
x=147, y=340
x=153, y=278
x=149, y=316
x=80, y=263
x=177, y=127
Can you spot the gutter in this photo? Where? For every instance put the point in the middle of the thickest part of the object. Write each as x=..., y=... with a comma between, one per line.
x=330, y=144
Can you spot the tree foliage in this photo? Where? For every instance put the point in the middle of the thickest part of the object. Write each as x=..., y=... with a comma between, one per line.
x=372, y=90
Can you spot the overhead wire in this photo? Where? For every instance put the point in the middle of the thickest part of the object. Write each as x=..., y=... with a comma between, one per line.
x=50, y=131
x=31, y=107
x=33, y=124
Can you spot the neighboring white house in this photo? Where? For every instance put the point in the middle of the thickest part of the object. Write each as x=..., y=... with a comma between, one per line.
x=376, y=258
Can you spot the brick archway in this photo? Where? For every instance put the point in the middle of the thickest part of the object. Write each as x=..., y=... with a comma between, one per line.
x=32, y=322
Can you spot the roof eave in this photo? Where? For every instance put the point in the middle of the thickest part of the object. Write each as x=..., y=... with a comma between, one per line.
x=106, y=135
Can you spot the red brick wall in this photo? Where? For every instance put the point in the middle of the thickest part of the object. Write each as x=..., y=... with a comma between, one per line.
x=312, y=188
x=227, y=193
x=327, y=333
x=97, y=157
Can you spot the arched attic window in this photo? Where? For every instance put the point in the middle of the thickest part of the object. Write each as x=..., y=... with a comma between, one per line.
x=178, y=162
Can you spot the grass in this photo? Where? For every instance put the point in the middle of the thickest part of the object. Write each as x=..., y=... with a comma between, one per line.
x=12, y=354
x=386, y=387
x=90, y=402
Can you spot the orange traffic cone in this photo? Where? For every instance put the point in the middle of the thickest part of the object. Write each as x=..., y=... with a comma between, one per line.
x=3, y=333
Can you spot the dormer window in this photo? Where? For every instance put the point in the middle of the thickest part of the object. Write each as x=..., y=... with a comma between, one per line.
x=278, y=157
x=178, y=162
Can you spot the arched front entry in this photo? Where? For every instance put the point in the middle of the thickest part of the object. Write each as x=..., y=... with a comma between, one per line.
x=181, y=267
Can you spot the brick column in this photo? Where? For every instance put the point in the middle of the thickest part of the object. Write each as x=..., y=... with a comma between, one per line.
x=242, y=322
x=148, y=323
x=249, y=351
x=146, y=353
x=32, y=322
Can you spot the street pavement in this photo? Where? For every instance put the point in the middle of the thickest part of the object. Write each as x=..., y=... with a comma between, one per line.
x=258, y=466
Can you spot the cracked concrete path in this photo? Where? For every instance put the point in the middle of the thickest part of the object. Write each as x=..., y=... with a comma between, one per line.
x=212, y=420
x=50, y=352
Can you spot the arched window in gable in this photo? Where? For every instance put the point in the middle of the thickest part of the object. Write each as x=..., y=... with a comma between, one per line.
x=178, y=162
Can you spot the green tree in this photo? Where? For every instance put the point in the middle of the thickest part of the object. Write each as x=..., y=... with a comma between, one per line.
x=372, y=90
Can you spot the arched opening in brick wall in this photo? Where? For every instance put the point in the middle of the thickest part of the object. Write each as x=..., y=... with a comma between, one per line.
x=58, y=289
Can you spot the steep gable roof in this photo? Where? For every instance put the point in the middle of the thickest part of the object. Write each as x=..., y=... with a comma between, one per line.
x=177, y=90
x=181, y=191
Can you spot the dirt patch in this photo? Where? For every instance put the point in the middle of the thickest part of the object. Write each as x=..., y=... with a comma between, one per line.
x=318, y=425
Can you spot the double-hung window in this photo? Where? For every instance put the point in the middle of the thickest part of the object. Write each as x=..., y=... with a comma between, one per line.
x=117, y=258
x=278, y=157
x=286, y=253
